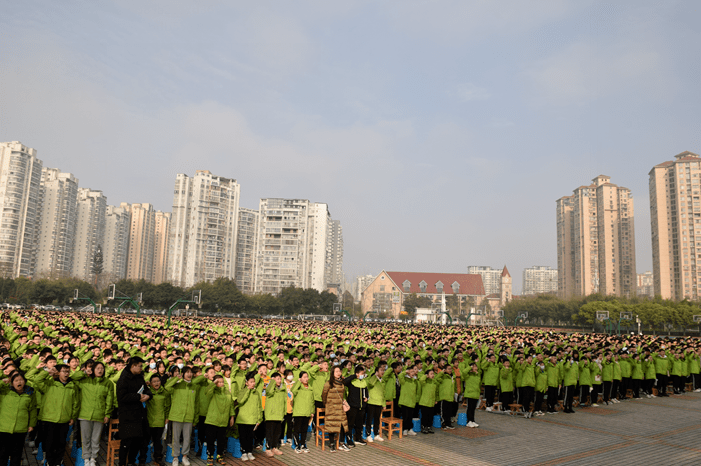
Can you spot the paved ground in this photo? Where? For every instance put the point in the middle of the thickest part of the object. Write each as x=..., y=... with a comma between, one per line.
x=646, y=431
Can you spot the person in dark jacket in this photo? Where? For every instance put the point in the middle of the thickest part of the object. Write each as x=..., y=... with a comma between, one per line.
x=132, y=395
x=358, y=400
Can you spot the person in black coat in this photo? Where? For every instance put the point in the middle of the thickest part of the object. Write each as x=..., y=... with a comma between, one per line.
x=132, y=395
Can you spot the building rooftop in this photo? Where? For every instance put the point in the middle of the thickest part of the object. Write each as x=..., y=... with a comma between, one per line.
x=470, y=284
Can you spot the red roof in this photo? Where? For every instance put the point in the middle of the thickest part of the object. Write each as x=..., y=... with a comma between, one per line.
x=505, y=272
x=470, y=284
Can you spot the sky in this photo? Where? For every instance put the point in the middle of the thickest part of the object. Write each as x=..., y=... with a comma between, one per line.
x=440, y=133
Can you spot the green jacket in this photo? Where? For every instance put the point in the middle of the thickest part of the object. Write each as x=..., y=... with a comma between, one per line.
x=183, y=400
x=411, y=391
x=275, y=402
x=303, y=401
x=220, y=407
x=18, y=412
x=390, y=384
x=202, y=396
x=506, y=379
x=607, y=371
x=527, y=372
x=158, y=407
x=626, y=368
x=541, y=378
x=661, y=364
x=447, y=387
x=472, y=382
x=429, y=391
x=570, y=374
x=96, y=397
x=250, y=411
x=317, y=379
x=61, y=402
x=595, y=371
x=490, y=373
x=376, y=389
x=584, y=372
x=636, y=369
x=553, y=372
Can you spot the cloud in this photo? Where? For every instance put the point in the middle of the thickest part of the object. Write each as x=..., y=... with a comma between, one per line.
x=584, y=72
x=469, y=92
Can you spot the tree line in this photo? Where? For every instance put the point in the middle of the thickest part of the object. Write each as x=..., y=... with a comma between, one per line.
x=653, y=313
x=222, y=296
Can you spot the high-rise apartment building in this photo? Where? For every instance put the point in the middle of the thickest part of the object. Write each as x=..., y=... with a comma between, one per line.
x=246, y=242
x=116, y=243
x=20, y=190
x=293, y=244
x=491, y=278
x=161, y=245
x=89, y=232
x=204, y=225
x=646, y=284
x=539, y=279
x=596, y=240
x=335, y=255
x=361, y=282
x=675, y=215
x=141, y=249
x=57, y=223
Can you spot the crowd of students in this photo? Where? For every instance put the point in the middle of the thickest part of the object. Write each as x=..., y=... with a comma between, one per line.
x=262, y=381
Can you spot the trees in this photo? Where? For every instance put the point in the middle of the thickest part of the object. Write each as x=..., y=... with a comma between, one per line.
x=412, y=302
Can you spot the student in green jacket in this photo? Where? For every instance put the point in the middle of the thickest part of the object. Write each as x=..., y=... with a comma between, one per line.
x=157, y=410
x=527, y=370
x=250, y=415
x=410, y=391
x=96, y=403
x=427, y=401
x=18, y=415
x=506, y=383
x=472, y=380
x=275, y=404
x=59, y=409
x=447, y=395
x=376, y=401
x=184, y=411
x=220, y=415
x=302, y=409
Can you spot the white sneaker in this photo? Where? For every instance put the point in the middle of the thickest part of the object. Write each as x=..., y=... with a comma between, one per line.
x=379, y=439
x=411, y=432
x=244, y=457
x=175, y=461
x=470, y=424
x=405, y=433
x=186, y=461
x=369, y=439
x=595, y=405
x=251, y=457
x=488, y=409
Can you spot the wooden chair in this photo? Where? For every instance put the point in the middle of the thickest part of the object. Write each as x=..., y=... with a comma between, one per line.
x=392, y=423
x=112, y=443
x=515, y=408
x=320, y=432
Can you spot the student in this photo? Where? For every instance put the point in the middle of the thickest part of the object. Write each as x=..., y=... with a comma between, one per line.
x=447, y=396
x=287, y=423
x=275, y=405
x=336, y=421
x=661, y=371
x=132, y=395
x=584, y=379
x=541, y=384
x=409, y=393
x=472, y=382
x=220, y=415
x=595, y=372
x=184, y=411
x=553, y=371
x=528, y=381
x=570, y=376
x=607, y=377
x=157, y=410
x=427, y=400
x=302, y=410
x=18, y=415
x=203, y=382
x=357, y=399
x=60, y=404
x=376, y=401
x=250, y=415
x=490, y=378
x=96, y=404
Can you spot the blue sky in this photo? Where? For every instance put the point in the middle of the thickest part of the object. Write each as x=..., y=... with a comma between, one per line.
x=440, y=133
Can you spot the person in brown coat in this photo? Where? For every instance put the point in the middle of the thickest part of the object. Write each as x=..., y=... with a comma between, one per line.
x=336, y=421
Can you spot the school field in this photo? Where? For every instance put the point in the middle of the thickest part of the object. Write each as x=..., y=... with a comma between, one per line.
x=646, y=431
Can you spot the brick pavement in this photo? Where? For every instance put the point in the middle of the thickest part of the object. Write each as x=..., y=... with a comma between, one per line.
x=646, y=431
